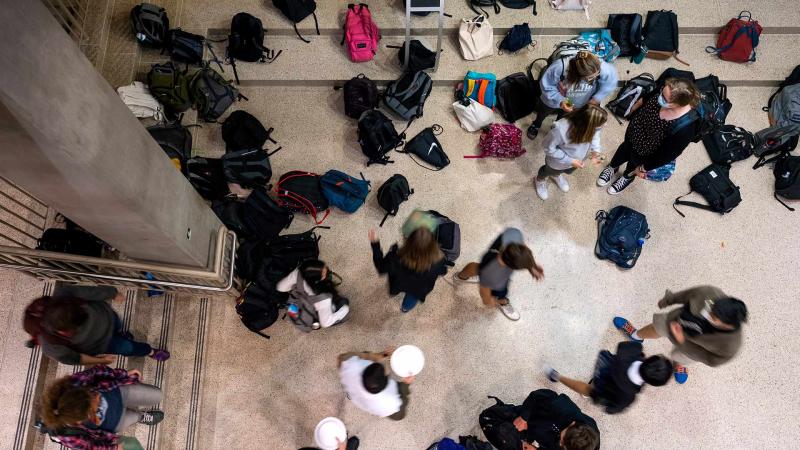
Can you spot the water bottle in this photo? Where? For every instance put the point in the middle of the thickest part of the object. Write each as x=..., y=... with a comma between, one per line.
x=641, y=241
x=293, y=311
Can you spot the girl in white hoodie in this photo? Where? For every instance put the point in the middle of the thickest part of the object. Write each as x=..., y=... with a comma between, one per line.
x=569, y=143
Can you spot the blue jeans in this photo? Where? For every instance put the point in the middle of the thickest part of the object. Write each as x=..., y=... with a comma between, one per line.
x=409, y=301
x=122, y=345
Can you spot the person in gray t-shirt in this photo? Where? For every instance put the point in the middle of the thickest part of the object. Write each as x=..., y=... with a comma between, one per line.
x=507, y=254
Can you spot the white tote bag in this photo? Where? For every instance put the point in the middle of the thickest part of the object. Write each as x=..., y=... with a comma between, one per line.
x=473, y=117
x=139, y=100
x=476, y=38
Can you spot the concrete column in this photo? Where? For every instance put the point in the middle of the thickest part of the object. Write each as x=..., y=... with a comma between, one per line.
x=66, y=137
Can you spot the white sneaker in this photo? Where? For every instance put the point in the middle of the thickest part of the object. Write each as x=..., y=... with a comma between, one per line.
x=561, y=182
x=508, y=310
x=541, y=188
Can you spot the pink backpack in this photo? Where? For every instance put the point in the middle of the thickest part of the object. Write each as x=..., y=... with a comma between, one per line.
x=360, y=33
x=500, y=140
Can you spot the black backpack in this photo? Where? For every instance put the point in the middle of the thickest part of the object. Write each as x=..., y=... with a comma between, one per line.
x=301, y=191
x=72, y=241
x=520, y=4
x=259, y=308
x=377, y=136
x=392, y=193
x=150, y=24
x=360, y=94
x=787, y=179
x=620, y=235
x=715, y=103
x=626, y=31
x=517, y=95
x=633, y=90
x=241, y=130
x=263, y=218
x=246, y=42
x=793, y=78
x=406, y=97
x=420, y=57
x=212, y=95
x=661, y=34
x=207, y=177
x=773, y=143
x=729, y=144
x=427, y=147
x=249, y=168
x=296, y=11
x=517, y=38
x=448, y=235
x=483, y=3
x=716, y=187
x=175, y=140
x=187, y=47
x=230, y=211
x=288, y=251
x=497, y=423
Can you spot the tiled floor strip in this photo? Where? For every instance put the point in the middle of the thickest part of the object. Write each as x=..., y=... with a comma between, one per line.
x=197, y=374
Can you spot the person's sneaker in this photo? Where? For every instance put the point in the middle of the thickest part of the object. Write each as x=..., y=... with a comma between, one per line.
x=626, y=327
x=152, y=417
x=541, y=188
x=408, y=304
x=551, y=374
x=561, y=182
x=606, y=176
x=620, y=185
x=508, y=310
x=159, y=354
x=458, y=279
x=681, y=375
x=532, y=132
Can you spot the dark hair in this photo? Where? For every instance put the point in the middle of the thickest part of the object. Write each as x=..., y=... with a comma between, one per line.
x=64, y=404
x=374, y=378
x=730, y=310
x=66, y=314
x=656, y=370
x=517, y=256
x=420, y=251
x=311, y=271
x=581, y=436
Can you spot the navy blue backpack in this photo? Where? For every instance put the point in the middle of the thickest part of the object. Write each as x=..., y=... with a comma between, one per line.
x=621, y=233
x=343, y=191
x=518, y=37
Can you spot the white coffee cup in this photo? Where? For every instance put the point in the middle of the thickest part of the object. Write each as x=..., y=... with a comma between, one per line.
x=407, y=360
x=329, y=432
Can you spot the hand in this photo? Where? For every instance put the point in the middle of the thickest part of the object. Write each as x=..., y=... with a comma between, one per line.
x=388, y=351
x=639, y=172
x=677, y=332
x=527, y=446
x=107, y=359
x=342, y=444
x=594, y=102
x=537, y=272
x=118, y=298
x=663, y=303
x=373, y=235
x=577, y=163
x=520, y=424
x=566, y=107
x=135, y=373
x=409, y=379
x=596, y=158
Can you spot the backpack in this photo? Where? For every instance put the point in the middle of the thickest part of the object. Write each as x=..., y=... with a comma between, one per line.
x=212, y=95
x=517, y=38
x=476, y=38
x=572, y=5
x=621, y=233
x=300, y=191
x=175, y=140
x=427, y=147
x=138, y=99
x=34, y=316
x=72, y=241
x=626, y=31
x=519, y=4
x=481, y=3
x=230, y=211
x=497, y=423
x=567, y=49
x=775, y=142
x=792, y=79
x=360, y=94
x=150, y=24
x=729, y=144
x=716, y=187
x=207, y=177
x=296, y=11
x=360, y=33
x=249, y=168
x=472, y=115
x=241, y=130
x=406, y=97
x=661, y=35
x=187, y=47
x=288, y=251
x=258, y=308
x=632, y=91
x=377, y=136
x=246, y=42
x=787, y=179
x=714, y=105
x=601, y=43
x=262, y=217
x=448, y=235
x=343, y=191
x=785, y=105
x=420, y=57
x=170, y=87
x=738, y=39
x=480, y=87
x=392, y=193
x=500, y=140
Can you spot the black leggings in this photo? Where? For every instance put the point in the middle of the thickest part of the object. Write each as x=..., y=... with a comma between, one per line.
x=542, y=111
x=624, y=154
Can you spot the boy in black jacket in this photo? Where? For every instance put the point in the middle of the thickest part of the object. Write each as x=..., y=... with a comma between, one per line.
x=550, y=421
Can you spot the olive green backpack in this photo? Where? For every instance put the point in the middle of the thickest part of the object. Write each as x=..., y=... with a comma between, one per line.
x=170, y=87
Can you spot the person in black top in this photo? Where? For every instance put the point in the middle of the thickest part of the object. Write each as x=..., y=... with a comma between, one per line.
x=660, y=130
x=619, y=378
x=550, y=421
x=412, y=268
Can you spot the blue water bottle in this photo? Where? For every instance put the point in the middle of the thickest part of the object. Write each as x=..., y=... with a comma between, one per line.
x=641, y=241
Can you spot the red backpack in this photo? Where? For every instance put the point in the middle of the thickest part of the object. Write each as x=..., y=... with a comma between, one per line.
x=33, y=321
x=500, y=140
x=738, y=39
x=360, y=33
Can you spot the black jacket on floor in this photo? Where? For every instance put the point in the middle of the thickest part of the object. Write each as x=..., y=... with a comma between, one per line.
x=403, y=279
x=548, y=414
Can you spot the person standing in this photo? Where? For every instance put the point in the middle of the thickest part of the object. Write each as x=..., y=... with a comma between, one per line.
x=707, y=327
x=507, y=253
x=661, y=128
x=315, y=302
x=569, y=143
x=571, y=83
x=364, y=378
x=551, y=421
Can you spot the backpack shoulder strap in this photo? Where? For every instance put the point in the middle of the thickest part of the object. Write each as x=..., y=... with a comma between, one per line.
x=678, y=201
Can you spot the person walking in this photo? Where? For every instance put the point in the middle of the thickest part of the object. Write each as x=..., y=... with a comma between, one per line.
x=412, y=268
x=364, y=378
x=707, y=327
x=315, y=302
x=570, y=83
x=89, y=409
x=551, y=421
x=661, y=128
x=569, y=143
x=493, y=274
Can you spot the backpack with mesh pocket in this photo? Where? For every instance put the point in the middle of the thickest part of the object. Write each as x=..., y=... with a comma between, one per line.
x=212, y=94
x=170, y=87
x=621, y=233
x=150, y=24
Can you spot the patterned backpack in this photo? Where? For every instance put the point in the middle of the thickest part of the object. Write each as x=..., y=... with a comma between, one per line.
x=360, y=33
x=500, y=140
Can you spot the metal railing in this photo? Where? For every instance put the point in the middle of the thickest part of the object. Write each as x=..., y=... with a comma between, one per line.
x=23, y=217
x=71, y=14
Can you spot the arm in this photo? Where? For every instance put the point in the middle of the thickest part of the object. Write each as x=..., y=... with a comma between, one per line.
x=88, y=293
x=486, y=295
x=681, y=297
x=60, y=353
x=327, y=317
x=596, y=146
x=371, y=356
x=380, y=261
x=551, y=95
x=288, y=282
x=606, y=83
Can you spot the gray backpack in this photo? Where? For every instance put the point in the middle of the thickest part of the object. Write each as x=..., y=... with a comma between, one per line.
x=785, y=106
x=407, y=96
x=212, y=94
x=306, y=318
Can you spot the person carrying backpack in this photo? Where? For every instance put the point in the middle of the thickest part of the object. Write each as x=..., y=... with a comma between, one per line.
x=89, y=409
x=661, y=127
x=493, y=274
x=311, y=286
x=570, y=83
x=568, y=144
x=707, y=328
x=554, y=422
x=414, y=267
x=78, y=326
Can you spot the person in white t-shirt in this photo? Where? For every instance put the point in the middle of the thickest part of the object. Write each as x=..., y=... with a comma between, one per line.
x=364, y=378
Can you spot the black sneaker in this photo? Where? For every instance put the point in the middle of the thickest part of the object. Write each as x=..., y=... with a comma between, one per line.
x=152, y=417
x=620, y=185
x=533, y=131
x=606, y=175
